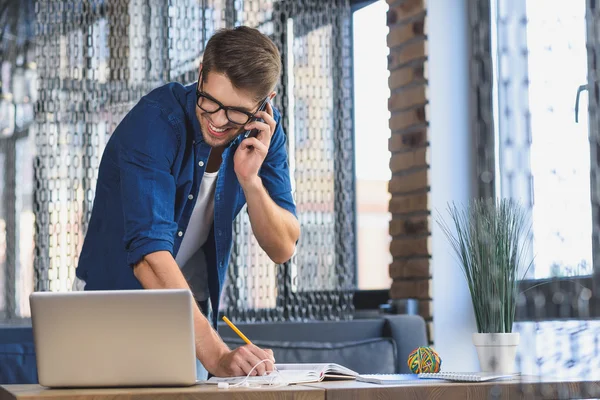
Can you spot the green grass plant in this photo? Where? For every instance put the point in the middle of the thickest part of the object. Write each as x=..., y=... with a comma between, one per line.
x=490, y=240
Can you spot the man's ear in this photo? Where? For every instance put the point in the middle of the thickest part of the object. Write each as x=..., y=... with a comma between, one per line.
x=273, y=94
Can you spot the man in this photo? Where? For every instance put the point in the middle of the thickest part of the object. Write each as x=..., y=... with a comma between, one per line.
x=173, y=177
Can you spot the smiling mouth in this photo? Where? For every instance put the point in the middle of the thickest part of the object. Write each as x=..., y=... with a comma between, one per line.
x=217, y=131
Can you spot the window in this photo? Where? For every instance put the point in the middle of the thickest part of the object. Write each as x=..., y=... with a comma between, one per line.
x=25, y=223
x=543, y=160
x=543, y=153
x=371, y=116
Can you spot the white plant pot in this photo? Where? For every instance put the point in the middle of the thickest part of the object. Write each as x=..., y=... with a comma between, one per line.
x=496, y=351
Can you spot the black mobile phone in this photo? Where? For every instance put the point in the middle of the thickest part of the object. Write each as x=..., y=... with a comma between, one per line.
x=254, y=132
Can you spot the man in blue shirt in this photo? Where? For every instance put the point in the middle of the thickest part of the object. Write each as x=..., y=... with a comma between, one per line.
x=175, y=174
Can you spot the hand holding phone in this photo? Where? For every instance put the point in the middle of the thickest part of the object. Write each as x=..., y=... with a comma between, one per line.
x=254, y=132
x=252, y=151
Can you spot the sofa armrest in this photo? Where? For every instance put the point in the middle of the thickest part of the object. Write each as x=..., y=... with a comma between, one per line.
x=409, y=332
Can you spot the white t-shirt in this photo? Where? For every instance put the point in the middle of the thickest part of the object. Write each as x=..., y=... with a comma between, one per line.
x=190, y=256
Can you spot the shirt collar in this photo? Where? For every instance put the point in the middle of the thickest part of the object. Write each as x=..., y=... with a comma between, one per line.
x=191, y=108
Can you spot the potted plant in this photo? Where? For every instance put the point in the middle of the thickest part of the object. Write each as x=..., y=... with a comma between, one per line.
x=490, y=240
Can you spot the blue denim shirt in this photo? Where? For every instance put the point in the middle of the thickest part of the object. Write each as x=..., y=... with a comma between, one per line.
x=153, y=161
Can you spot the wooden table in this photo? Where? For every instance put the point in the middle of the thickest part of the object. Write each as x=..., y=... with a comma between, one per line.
x=203, y=392
x=522, y=388
x=525, y=387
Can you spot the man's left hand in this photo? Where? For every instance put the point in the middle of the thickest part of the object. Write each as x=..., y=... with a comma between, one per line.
x=253, y=150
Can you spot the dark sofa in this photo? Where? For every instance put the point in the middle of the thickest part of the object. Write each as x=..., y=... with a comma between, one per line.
x=17, y=355
x=378, y=345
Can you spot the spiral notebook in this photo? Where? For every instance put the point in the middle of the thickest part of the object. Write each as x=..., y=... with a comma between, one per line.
x=467, y=376
x=393, y=379
x=440, y=377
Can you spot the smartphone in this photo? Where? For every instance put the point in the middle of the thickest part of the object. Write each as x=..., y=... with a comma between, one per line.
x=254, y=132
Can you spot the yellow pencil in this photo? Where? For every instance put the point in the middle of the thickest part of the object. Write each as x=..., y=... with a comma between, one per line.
x=236, y=330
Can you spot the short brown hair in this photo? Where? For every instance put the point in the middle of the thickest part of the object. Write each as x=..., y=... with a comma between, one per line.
x=248, y=58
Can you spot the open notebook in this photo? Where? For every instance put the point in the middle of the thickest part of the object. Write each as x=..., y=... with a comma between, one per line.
x=293, y=374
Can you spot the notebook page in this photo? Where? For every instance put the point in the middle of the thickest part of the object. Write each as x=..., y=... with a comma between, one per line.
x=282, y=376
x=321, y=369
x=466, y=376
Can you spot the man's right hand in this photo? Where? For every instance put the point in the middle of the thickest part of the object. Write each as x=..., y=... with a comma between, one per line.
x=239, y=362
x=160, y=271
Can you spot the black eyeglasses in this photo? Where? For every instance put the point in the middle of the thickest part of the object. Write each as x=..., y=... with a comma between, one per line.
x=236, y=116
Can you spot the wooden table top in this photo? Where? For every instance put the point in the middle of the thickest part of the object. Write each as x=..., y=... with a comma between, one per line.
x=204, y=392
x=519, y=388
x=524, y=387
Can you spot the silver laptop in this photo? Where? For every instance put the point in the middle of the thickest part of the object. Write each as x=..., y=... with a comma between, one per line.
x=114, y=338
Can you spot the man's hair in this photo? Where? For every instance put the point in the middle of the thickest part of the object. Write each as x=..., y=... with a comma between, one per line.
x=249, y=59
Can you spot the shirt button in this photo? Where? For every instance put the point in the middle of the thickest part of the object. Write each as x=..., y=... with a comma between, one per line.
x=190, y=196
x=201, y=163
x=219, y=232
x=221, y=265
x=180, y=233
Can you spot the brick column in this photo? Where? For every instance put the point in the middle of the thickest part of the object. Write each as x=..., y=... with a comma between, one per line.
x=409, y=145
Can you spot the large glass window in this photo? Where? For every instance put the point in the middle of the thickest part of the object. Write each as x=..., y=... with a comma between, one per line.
x=560, y=162
x=371, y=116
x=543, y=154
x=543, y=160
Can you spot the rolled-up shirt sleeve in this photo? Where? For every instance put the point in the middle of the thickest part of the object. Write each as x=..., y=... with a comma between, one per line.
x=146, y=155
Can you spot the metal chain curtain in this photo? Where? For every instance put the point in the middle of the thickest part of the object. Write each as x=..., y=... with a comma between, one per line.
x=96, y=58
x=528, y=61
x=17, y=98
x=314, y=37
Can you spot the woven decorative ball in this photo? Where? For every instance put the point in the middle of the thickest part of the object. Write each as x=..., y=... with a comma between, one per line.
x=424, y=360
